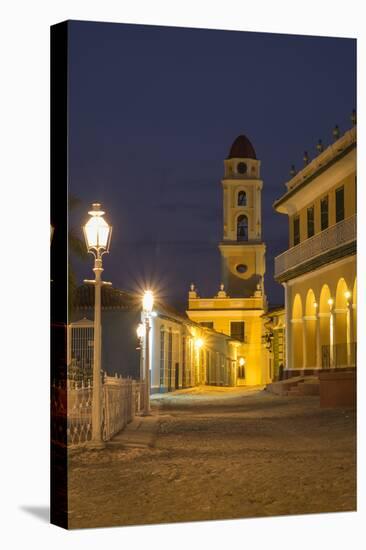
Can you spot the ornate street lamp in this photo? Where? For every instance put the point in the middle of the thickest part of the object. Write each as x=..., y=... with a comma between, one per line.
x=147, y=309
x=97, y=234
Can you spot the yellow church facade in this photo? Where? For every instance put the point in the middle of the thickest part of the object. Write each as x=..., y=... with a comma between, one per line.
x=318, y=271
x=237, y=308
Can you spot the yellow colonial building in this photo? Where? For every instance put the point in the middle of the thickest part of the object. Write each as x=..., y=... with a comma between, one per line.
x=237, y=308
x=185, y=354
x=318, y=271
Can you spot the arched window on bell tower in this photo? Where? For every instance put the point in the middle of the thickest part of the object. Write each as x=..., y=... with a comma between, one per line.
x=242, y=198
x=242, y=228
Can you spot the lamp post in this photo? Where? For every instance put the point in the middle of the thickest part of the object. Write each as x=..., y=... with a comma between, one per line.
x=140, y=331
x=97, y=235
x=147, y=307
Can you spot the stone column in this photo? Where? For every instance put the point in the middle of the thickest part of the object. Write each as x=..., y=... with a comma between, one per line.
x=350, y=335
x=288, y=328
x=318, y=345
x=331, y=338
x=304, y=343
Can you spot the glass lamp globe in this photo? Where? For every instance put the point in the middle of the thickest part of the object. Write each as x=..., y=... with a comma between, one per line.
x=148, y=301
x=97, y=232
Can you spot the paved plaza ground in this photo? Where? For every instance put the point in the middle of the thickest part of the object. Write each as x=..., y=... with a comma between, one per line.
x=221, y=453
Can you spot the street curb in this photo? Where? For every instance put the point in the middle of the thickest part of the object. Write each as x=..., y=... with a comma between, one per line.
x=140, y=433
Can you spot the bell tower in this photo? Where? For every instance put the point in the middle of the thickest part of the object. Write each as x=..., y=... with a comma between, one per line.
x=242, y=249
x=237, y=307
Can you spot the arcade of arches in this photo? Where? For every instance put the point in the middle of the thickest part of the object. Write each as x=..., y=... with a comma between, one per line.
x=323, y=323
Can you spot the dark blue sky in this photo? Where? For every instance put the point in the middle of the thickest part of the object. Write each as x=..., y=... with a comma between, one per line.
x=153, y=112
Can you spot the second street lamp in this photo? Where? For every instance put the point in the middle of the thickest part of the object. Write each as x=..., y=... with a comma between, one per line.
x=97, y=234
x=147, y=307
x=140, y=331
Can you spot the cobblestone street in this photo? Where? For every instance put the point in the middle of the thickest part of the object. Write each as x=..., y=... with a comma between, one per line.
x=221, y=453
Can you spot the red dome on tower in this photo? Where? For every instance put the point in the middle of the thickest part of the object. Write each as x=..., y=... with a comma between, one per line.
x=242, y=148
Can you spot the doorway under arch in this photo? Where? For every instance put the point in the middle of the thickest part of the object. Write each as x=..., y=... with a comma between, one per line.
x=324, y=322
x=341, y=322
x=310, y=329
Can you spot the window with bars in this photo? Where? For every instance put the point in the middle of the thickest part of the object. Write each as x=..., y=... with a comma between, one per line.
x=339, y=196
x=324, y=213
x=237, y=330
x=310, y=219
x=242, y=228
x=242, y=198
x=296, y=227
x=207, y=324
x=82, y=353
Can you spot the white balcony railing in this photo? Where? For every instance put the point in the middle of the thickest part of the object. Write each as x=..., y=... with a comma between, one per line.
x=333, y=237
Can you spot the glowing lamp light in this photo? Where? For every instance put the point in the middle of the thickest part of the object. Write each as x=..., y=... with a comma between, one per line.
x=330, y=302
x=198, y=343
x=148, y=301
x=315, y=304
x=241, y=362
x=140, y=331
x=347, y=294
x=97, y=232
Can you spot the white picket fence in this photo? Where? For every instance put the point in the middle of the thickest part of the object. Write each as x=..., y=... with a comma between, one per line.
x=121, y=400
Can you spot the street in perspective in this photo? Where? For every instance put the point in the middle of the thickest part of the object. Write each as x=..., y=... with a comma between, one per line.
x=219, y=453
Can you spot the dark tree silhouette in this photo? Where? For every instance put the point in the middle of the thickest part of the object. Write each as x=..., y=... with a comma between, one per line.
x=77, y=249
